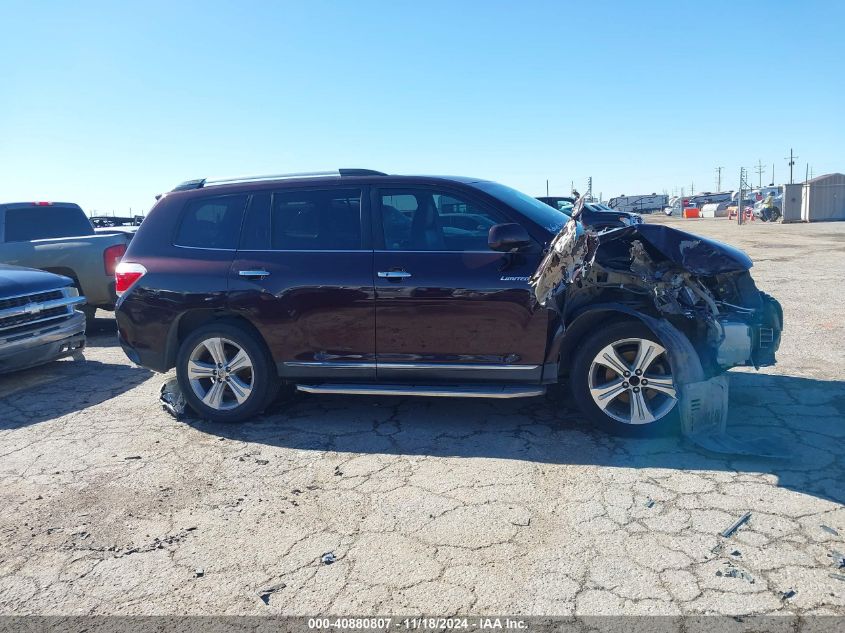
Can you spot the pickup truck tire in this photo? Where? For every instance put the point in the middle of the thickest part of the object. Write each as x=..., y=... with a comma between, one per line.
x=90, y=314
x=621, y=380
x=226, y=372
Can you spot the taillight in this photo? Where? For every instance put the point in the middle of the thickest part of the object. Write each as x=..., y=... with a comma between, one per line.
x=127, y=274
x=42, y=204
x=111, y=258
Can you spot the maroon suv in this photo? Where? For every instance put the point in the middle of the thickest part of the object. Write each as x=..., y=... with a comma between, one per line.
x=358, y=282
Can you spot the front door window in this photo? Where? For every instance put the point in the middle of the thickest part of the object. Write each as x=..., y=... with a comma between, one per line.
x=428, y=220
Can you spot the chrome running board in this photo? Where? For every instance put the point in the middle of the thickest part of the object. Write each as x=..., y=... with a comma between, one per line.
x=430, y=391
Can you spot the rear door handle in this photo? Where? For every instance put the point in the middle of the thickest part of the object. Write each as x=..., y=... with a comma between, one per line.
x=394, y=274
x=260, y=274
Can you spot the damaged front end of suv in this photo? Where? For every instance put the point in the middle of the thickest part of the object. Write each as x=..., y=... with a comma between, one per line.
x=696, y=295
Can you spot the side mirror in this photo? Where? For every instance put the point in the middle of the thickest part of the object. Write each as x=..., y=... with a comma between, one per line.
x=508, y=238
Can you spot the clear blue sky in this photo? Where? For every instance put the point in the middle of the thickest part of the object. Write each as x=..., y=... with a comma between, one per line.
x=109, y=103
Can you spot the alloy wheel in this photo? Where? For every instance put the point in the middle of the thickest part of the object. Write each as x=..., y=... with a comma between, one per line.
x=630, y=381
x=220, y=373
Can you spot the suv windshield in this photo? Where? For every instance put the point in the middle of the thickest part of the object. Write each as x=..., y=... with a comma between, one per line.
x=539, y=212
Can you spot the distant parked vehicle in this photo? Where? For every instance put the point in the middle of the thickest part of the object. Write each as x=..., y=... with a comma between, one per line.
x=110, y=224
x=639, y=204
x=39, y=321
x=103, y=221
x=596, y=215
x=700, y=199
x=59, y=238
x=759, y=208
x=678, y=203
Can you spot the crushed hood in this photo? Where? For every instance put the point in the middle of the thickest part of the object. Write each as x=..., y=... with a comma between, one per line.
x=662, y=257
x=695, y=254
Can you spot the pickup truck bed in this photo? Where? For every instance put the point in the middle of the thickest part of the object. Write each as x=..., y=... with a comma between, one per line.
x=59, y=238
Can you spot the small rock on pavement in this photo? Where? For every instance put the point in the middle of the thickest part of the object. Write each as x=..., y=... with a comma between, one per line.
x=199, y=572
x=788, y=594
x=265, y=593
x=328, y=558
x=829, y=530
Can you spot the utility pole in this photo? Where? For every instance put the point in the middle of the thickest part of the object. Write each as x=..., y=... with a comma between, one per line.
x=719, y=178
x=791, y=160
x=806, y=173
x=759, y=169
x=773, y=175
x=740, y=208
x=547, y=187
x=692, y=188
x=589, y=187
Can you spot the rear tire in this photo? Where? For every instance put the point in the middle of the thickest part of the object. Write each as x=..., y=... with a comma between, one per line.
x=226, y=372
x=622, y=381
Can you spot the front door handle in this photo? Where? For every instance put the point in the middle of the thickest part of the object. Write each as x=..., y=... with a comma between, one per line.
x=394, y=274
x=251, y=274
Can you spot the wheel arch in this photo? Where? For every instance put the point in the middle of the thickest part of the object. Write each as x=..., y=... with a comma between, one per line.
x=67, y=272
x=190, y=321
x=685, y=361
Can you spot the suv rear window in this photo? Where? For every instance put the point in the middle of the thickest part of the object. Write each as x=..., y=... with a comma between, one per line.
x=43, y=222
x=212, y=222
x=327, y=220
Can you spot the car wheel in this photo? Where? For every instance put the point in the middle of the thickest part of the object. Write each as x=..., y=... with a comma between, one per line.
x=621, y=379
x=226, y=373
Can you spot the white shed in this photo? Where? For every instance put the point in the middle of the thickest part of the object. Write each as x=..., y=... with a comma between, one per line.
x=823, y=198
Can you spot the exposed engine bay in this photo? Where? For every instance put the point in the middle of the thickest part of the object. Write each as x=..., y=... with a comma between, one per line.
x=701, y=286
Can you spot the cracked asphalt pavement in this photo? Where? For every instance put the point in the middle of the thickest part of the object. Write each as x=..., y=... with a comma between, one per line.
x=110, y=506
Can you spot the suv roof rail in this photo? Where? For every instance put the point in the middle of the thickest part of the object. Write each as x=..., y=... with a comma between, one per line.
x=199, y=183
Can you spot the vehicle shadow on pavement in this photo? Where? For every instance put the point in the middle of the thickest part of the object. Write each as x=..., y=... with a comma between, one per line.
x=41, y=393
x=806, y=415
x=102, y=333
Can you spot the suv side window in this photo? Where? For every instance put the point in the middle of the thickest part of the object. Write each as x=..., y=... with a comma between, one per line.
x=429, y=220
x=212, y=222
x=325, y=220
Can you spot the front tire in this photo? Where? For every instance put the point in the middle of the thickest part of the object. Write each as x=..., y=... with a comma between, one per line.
x=226, y=373
x=90, y=313
x=621, y=380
